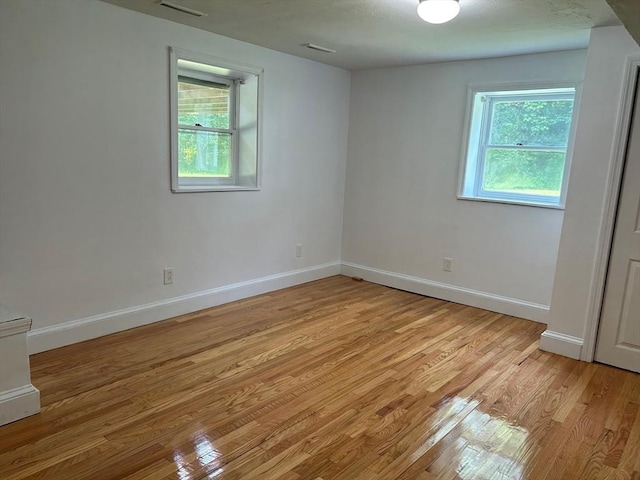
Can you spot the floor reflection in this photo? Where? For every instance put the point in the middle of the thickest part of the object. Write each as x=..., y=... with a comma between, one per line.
x=487, y=447
x=205, y=458
x=182, y=467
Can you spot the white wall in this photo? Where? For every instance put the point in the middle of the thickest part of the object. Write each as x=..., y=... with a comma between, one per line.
x=573, y=304
x=401, y=213
x=87, y=220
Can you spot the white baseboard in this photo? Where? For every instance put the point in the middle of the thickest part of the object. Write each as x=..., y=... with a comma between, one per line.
x=561, y=344
x=451, y=293
x=47, y=338
x=19, y=403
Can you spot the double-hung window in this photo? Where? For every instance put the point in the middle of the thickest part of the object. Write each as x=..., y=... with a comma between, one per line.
x=215, y=119
x=518, y=146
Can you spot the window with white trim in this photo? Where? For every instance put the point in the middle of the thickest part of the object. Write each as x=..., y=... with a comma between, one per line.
x=215, y=111
x=518, y=146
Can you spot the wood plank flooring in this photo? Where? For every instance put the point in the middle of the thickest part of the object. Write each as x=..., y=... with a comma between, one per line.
x=334, y=379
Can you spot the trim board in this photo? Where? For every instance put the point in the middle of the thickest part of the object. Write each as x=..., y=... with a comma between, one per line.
x=495, y=303
x=19, y=403
x=48, y=338
x=561, y=344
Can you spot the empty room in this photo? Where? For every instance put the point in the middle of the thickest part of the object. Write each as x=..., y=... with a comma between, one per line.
x=319, y=239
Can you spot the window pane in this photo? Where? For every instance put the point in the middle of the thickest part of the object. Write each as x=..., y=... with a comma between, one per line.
x=203, y=103
x=532, y=123
x=204, y=154
x=523, y=172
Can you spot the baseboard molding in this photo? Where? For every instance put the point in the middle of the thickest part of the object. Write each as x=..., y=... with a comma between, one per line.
x=14, y=327
x=42, y=339
x=451, y=293
x=19, y=403
x=561, y=344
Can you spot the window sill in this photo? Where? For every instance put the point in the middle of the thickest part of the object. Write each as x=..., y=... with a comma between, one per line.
x=511, y=202
x=219, y=188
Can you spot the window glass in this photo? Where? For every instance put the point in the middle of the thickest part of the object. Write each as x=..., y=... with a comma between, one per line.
x=534, y=123
x=523, y=172
x=203, y=103
x=204, y=154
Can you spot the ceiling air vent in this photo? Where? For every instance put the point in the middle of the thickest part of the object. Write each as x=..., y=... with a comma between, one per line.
x=180, y=8
x=319, y=48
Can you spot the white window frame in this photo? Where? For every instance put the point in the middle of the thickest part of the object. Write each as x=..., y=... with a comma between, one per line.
x=245, y=91
x=480, y=103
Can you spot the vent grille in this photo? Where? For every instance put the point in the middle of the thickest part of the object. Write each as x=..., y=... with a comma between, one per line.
x=319, y=48
x=180, y=8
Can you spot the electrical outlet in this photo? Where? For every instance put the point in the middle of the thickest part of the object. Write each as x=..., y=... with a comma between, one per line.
x=299, y=250
x=447, y=264
x=168, y=276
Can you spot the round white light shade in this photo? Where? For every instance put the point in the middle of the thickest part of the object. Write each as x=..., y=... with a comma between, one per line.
x=438, y=11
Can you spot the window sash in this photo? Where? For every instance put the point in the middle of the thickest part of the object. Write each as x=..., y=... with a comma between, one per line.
x=207, y=79
x=490, y=101
x=524, y=147
x=210, y=80
x=198, y=128
x=208, y=180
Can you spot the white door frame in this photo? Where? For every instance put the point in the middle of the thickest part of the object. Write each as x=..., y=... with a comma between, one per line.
x=612, y=194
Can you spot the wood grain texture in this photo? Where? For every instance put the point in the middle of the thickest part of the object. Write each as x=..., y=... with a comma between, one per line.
x=333, y=379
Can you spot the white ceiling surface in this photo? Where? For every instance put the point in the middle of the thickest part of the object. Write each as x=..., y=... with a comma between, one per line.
x=381, y=33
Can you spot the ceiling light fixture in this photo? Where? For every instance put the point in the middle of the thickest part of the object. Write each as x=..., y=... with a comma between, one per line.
x=438, y=11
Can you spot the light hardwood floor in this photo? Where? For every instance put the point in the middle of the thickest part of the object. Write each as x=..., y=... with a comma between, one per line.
x=335, y=379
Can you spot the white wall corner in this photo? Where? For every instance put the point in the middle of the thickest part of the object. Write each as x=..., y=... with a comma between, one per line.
x=48, y=338
x=452, y=293
x=19, y=403
x=587, y=227
x=562, y=344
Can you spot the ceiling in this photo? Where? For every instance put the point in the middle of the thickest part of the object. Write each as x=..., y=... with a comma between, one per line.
x=382, y=33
